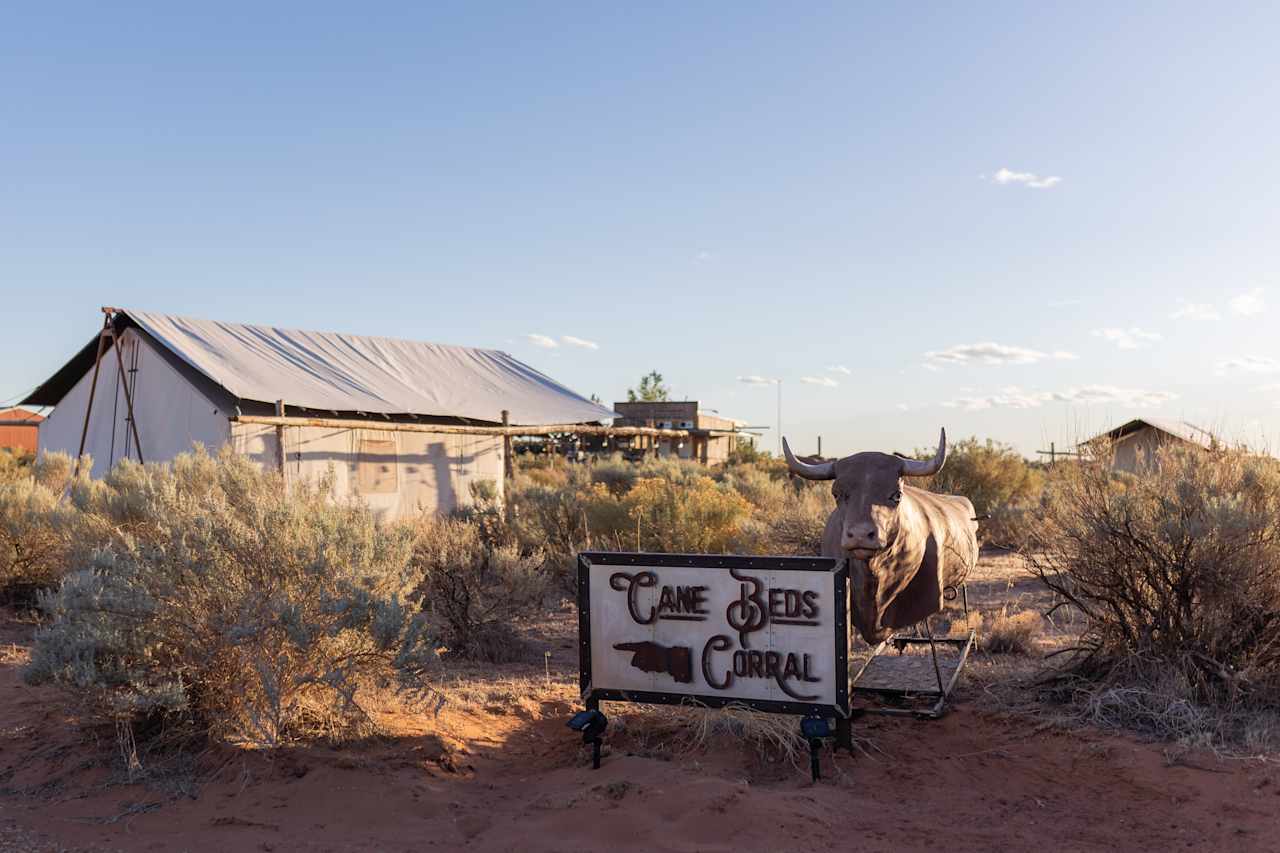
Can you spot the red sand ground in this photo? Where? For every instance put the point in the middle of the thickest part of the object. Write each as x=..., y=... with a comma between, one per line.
x=518, y=782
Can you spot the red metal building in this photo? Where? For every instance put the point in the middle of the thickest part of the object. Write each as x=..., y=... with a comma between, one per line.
x=19, y=429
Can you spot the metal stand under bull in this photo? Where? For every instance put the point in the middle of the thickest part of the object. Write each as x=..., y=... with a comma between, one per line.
x=918, y=685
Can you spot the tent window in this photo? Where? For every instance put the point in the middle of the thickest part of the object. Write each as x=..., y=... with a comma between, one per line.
x=376, y=467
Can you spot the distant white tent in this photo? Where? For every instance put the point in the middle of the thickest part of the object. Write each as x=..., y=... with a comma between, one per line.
x=387, y=416
x=1134, y=445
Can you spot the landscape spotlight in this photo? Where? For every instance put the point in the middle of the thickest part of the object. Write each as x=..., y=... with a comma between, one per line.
x=592, y=724
x=814, y=729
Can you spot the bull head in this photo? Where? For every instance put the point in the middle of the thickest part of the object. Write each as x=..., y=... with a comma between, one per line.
x=872, y=525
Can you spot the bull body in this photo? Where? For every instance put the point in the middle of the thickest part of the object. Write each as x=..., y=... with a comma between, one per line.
x=904, y=545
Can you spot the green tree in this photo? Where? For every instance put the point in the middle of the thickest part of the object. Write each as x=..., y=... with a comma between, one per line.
x=651, y=390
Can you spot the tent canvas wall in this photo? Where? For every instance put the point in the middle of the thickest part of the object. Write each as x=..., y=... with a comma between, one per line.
x=1135, y=445
x=197, y=381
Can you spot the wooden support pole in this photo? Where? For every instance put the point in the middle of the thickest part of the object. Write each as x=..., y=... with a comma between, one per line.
x=128, y=395
x=280, y=436
x=508, y=464
x=93, y=387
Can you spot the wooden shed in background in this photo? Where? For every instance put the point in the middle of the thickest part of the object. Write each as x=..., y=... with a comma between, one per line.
x=711, y=438
x=19, y=429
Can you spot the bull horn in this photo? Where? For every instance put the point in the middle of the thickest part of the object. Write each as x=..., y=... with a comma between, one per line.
x=920, y=468
x=810, y=471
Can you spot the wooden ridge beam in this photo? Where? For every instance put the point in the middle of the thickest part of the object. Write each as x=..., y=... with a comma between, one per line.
x=454, y=429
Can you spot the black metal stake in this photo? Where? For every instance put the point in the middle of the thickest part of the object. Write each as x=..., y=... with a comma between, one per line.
x=814, y=746
x=595, y=754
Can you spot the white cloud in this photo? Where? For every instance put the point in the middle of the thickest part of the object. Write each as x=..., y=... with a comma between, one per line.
x=824, y=381
x=903, y=407
x=1275, y=386
x=541, y=341
x=1250, y=303
x=1007, y=177
x=704, y=256
x=570, y=340
x=1195, y=311
x=1015, y=398
x=1063, y=355
x=1250, y=364
x=755, y=380
x=990, y=353
x=1131, y=338
x=1064, y=303
x=1111, y=394
x=839, y=368
x=1008, y=398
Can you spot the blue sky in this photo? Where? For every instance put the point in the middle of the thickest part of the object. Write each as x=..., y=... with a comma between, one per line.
x=1015, y=221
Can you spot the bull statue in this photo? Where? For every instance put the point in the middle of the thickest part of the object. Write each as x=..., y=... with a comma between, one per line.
x=904, y=545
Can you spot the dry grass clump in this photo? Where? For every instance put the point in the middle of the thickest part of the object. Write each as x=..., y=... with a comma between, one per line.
x=671, y=731
x=1178, y=573
x=230, y=607
x=1012, y=634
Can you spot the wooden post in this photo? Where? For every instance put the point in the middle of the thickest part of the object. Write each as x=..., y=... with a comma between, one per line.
x=819, y=446
x=93, y=387
x=128, y=396
x=508, y=464
x=280, y=438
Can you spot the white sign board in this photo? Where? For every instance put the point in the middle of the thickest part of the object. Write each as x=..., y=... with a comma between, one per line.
x=767, y=632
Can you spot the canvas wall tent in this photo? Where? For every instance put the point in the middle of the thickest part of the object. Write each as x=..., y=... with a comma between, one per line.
x=1134, y=444
x=408, y=426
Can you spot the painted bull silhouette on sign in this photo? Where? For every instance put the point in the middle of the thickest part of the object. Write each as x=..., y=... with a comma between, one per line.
x=904, y=545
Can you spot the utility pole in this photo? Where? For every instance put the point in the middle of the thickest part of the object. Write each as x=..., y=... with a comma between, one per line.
x=779, y=381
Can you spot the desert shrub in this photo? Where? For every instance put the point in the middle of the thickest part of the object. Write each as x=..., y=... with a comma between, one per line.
x=551, y=520
x=791, y=525
x=1012, y=634
x=745, y=452
x=1176, y=570
x=663, y=505
x=999, y=481
x=14, y=463
x=226, y=603
x=682, y=518
x=473, y=582
x=37, y=529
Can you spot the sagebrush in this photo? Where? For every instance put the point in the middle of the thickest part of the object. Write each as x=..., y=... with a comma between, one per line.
x=224, y=602
x=1177, y=570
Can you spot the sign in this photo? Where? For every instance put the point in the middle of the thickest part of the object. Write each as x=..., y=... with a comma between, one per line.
x=766, y=632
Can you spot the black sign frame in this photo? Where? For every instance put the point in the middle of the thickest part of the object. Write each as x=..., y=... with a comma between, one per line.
x=592, y=696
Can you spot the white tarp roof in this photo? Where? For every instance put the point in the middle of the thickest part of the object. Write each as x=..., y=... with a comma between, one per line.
x=331, y=371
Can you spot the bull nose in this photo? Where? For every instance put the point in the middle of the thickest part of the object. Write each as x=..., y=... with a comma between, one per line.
x=861, y=537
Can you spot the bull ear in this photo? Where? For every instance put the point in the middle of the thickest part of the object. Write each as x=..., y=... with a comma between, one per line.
x=921, y=468
x=810, y=471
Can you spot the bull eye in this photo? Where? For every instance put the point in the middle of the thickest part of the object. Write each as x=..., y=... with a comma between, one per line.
x=895, y=498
